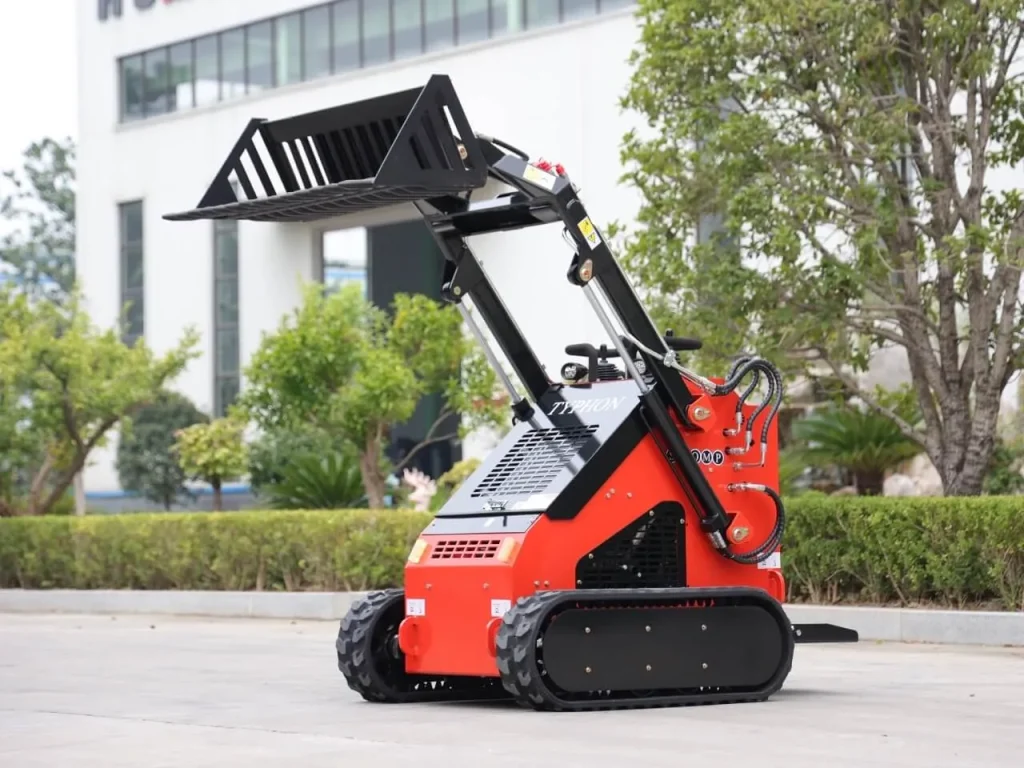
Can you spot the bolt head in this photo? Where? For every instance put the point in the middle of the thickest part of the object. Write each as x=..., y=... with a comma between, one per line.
x=741, y=533
x=700, y=413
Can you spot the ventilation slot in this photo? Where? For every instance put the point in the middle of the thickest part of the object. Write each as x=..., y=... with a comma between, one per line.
x=533, y=462
x=646, y=553
x=465, y=549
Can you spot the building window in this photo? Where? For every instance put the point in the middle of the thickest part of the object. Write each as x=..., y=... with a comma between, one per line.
x=316, y=42
x=226, y=346
x=477, y=20
x=232, y=64
x=439, y=24
x=132, y=271
x=321, y=40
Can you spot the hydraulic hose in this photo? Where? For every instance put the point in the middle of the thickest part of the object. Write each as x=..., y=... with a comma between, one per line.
x=771, y=543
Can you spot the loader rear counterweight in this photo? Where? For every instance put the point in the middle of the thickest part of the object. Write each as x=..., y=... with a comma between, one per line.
x=620, y=547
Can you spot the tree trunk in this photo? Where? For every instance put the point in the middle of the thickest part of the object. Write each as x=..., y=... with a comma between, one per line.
x=218, y=500
x=966, y=453
x=374, y=481
x=79, y=494
x=869, y=482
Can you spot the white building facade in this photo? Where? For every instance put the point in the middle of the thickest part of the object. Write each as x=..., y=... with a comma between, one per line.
x=167, y=87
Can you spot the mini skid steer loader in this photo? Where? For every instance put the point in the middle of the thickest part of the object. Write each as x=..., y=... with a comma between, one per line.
x=621, y=546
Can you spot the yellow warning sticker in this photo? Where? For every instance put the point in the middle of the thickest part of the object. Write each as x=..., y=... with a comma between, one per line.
x=587, y=228
x=539, y=177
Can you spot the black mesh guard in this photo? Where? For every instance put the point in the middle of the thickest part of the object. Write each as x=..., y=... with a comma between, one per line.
x=396, y=148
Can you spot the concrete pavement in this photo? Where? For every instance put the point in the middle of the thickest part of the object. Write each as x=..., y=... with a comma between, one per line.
x=166, y=691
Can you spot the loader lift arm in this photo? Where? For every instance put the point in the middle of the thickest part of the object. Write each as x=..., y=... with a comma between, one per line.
x=416, y=146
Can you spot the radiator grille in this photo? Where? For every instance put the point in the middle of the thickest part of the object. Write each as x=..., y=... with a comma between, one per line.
x=533, y=461
x=460, y=549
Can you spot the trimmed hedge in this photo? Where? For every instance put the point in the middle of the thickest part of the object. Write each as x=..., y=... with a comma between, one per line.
x=958, y=552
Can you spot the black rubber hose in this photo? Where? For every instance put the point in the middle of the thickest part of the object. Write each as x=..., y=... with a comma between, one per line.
x=762, y=552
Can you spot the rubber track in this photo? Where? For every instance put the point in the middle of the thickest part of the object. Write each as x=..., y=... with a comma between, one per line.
x=516, y=643
x=356, y=661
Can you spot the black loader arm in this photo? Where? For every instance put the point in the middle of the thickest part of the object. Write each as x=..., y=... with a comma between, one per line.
x=417, y=148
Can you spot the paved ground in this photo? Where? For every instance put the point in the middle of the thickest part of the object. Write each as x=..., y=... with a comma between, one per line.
x=147, y=693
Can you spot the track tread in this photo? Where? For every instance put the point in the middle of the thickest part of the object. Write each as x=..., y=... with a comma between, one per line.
x=517, y=666
x=358, y=665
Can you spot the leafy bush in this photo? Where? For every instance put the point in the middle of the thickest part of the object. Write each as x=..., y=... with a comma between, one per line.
x=956, y=552
x=861, y=442
x=280, y=550
x=146, y=462
x=331, y=481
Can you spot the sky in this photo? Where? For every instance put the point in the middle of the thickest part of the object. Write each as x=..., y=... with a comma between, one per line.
x=38, y=81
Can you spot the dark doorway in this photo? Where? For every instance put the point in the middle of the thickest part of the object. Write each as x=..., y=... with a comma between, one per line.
x=403, y=258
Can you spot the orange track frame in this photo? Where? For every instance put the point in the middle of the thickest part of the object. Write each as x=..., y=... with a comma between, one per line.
x=457, y=587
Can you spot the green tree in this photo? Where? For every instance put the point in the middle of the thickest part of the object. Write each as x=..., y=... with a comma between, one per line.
x=213, y=452
x=345, y=367
x=38, y=203
x=72, y=384
x=146, y=462
x=849, y=146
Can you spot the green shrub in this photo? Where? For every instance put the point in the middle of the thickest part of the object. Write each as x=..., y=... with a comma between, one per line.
x=280, y=550
x=956, y=552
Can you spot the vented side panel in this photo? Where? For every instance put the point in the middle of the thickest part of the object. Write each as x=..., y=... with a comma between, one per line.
x=462, y=549
x=647, y=553
x=533, y=461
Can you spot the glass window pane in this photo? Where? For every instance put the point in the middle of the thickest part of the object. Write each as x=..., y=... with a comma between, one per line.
x=408, y=27
x=316, y=25
x=440, y=23
x=376, y=32
x=226, y=247
x=227, y=302
x=132, y=276
x=611, y=5
x=181, y=77
x=207, y=70
x=232, y=63
x=578, y=9
x=135, y=315
x=540, y=13
x=131, y=88
x=156, y=80
x=131, y=223
x=505, y=17
x=227, y=351
x=346, y=35
x=260, y=44
x=227, y=391
x=288, y=37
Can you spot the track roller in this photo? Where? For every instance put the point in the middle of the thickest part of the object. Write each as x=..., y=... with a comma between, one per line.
x=374, y=665
x=626, y=649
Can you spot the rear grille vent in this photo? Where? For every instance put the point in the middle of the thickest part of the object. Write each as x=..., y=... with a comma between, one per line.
x=461, y=549
x=646, y=553
x=533, y=461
